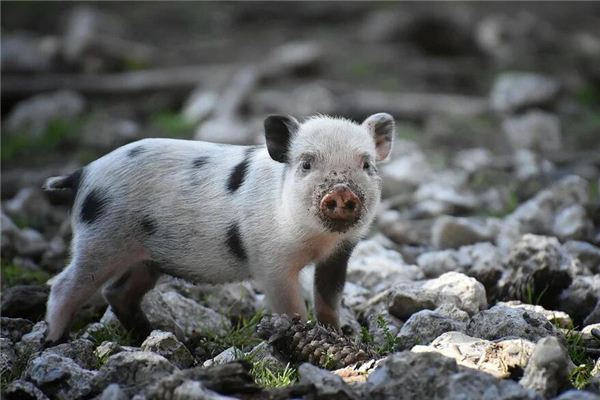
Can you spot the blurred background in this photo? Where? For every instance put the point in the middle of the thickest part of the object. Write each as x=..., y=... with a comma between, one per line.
x=497, y=108
x=493, y=102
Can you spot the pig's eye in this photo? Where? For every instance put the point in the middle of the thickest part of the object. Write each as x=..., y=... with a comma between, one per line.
x=366, y=165
x=306, y=165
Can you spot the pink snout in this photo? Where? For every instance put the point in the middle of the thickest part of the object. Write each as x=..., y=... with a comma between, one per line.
x=341, y=204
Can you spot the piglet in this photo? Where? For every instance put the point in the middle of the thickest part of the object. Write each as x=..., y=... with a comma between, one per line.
x=216, y=213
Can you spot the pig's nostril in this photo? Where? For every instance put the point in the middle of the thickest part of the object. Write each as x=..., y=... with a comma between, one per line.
x=331, y=204
x=350, y=205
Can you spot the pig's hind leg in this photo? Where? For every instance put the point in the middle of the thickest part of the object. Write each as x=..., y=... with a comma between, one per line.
x=125, y=295
x=89, y=270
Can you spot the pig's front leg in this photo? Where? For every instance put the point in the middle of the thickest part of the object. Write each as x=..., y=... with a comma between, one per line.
x=330, y=276
x=282, y=292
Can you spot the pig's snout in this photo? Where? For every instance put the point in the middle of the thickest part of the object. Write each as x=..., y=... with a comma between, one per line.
x=341, y=204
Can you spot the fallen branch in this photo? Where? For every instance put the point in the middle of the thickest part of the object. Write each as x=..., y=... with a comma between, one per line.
x=409, y=105
x=282, y=60
x=117, y=83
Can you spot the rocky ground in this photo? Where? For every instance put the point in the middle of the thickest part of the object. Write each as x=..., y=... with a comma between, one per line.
x=481, y=276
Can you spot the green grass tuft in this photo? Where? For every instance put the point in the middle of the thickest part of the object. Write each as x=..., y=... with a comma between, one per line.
x=269, y=376
x=581, y=374
x=366, y=336
x=531, y=297
x=101, y=359
x=110, y=333
x=241, y=336
x=576, y=348
x=390, y=341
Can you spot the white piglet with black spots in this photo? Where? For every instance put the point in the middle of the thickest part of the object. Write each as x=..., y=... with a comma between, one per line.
x=215, y=213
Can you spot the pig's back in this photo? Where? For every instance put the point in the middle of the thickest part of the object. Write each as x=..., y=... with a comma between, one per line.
x=185, y=201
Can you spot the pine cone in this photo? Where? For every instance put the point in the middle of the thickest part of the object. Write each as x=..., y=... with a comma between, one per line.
x=298, y=342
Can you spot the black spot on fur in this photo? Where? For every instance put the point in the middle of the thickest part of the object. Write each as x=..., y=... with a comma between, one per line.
x=330, y=274
x=136, y=151
x=199, y=162
x=234, y=242
x=149, y=225
x=236, y=178
x=93, y=206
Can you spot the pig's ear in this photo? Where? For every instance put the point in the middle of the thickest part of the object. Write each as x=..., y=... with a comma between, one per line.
x=279, y=130
x=381, y=127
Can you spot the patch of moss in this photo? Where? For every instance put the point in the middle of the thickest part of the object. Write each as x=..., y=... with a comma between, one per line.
x=57, y=133
x=583, y=130
x=589, y=96
x=13, y=275
x=360, y=69
x=594, y=192
x=172, y=124
x=85, y=156
x=21, y=221
x=391, y=83
x=135, y=64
